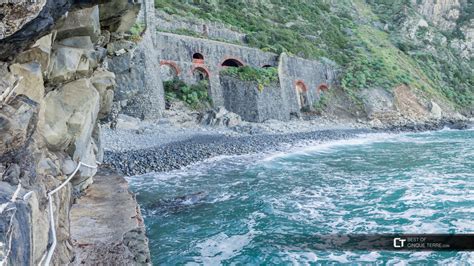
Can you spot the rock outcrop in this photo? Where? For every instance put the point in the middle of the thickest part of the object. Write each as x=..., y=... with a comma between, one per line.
x=55, y=86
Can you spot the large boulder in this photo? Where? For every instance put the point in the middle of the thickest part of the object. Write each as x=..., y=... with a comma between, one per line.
x=16, y=120
x=14, y=17
x=126, y=122
x=119, y=15
x=68, y=117
x=68, y=63
x=81, y=22
x=39, y=26
x=40, y=52
x=104, y=82
x=219, y=117
x=31, y=82
x=435, y=111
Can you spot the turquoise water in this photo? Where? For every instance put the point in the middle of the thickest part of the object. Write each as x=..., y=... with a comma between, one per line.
x=228, y=210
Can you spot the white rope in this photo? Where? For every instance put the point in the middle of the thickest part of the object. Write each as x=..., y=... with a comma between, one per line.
x=13, y=199
x=49, y=255
x=8, y=92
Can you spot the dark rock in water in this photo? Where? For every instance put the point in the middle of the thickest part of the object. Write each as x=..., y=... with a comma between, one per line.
x=179, y=203
x=191, y=199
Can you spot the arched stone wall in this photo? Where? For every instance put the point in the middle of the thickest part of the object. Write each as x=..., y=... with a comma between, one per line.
x=232, y=62
x=169, y=70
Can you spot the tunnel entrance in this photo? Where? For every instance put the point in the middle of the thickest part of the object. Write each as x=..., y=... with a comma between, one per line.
x=232, y=63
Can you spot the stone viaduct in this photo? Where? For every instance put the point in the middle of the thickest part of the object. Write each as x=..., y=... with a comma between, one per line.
x=301, y=82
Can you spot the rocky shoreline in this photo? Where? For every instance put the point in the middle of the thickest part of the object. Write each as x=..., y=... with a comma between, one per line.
x=178, y=154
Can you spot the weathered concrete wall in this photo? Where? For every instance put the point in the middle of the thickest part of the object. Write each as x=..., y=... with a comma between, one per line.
x=313, y=74
x=244, y=99
x=176, y=51
x=211, y=30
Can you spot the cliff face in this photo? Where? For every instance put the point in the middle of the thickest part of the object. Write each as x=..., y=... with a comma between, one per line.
x=55, y=86
x=423, y=45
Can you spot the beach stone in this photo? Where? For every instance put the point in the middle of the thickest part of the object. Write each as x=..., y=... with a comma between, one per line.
x=127, y=122
x=219, y=117
x=435, y=110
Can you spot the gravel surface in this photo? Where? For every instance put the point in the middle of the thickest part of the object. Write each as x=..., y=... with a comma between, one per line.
x=158, y=146
x=182, y=153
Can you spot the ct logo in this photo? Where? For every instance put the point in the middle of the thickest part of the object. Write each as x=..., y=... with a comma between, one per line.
x=399, y=242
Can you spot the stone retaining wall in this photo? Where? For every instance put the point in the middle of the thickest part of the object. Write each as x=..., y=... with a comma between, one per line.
x=253, y=105
x=176, y=55
x=176, y=52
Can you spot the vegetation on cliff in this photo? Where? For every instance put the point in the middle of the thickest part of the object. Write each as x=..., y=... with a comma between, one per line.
x=195, y=95
x=370, y=39
x=263, y=76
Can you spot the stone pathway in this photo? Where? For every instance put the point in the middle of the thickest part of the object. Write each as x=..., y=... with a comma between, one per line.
x=106, y=225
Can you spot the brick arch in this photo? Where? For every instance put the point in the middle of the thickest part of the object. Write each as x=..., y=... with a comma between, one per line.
x=301, y=94
x=171, y=64
x=236, y=62
x=322, y=87
x=300, y=84
x=203, y=69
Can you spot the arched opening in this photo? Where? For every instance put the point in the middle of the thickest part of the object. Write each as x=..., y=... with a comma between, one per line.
x=302, y=94
x=322, y=89
x=169, y=71
x=266, y=66
x=232, y=63
x=200, y=74
x=198, y=58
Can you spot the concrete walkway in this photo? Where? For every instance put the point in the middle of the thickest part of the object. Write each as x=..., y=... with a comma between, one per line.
x=106, y=225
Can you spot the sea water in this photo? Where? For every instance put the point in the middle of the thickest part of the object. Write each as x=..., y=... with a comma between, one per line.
x=230, y=209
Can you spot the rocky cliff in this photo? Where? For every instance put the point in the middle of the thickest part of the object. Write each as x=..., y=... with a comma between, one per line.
x=55, y=86
x=422, y=46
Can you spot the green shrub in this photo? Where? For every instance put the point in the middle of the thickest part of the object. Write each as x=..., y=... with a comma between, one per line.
x=263, y=76
x=195, y=95
x=136, y=31
x=320, y=105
